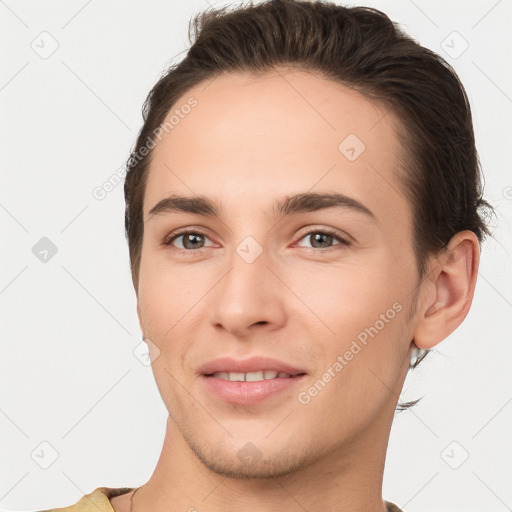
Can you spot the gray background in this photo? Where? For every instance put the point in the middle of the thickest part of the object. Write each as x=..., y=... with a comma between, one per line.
x=79, y=407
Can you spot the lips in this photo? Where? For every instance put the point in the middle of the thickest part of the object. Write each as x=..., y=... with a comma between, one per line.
x=253, y=364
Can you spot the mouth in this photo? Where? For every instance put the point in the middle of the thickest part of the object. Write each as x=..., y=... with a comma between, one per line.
x=250, y=381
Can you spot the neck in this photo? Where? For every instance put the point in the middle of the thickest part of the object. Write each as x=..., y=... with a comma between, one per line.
x=348, y=479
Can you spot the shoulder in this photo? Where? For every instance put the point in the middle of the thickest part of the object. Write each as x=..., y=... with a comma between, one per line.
x=96, y=501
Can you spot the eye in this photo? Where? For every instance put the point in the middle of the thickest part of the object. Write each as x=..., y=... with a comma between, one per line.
x=192, y=240
x=323, y=239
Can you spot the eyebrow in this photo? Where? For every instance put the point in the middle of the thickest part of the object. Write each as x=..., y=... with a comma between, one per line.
x=290, y=205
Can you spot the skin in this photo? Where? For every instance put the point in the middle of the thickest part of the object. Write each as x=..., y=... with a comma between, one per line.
x=249, y=141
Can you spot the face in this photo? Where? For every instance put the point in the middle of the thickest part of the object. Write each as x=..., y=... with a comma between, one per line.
x=323, y=284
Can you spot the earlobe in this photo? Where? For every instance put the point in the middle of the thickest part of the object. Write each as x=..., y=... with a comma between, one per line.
x=453, y=286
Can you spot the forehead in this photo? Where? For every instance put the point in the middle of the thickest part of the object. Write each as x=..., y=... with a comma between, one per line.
x=259, y=137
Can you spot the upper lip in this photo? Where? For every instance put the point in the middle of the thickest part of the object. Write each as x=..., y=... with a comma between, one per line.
x=253, y=364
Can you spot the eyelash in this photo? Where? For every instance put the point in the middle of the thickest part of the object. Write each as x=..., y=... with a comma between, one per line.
x=175, y=235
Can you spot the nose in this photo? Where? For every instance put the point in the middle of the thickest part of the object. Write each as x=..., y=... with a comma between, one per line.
x=249, y=298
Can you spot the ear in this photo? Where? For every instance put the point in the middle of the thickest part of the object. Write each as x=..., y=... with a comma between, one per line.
x=450, y=290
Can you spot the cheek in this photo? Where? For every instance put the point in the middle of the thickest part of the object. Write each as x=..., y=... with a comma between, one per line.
x=345, y=300
x=360, y=348
x=172, y=309
x=167, y=294
x=359, y=314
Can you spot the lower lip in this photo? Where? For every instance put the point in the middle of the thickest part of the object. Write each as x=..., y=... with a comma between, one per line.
x=247, y=393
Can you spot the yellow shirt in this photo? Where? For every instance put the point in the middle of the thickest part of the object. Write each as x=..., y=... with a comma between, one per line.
x=99, y=501
x=96, y=501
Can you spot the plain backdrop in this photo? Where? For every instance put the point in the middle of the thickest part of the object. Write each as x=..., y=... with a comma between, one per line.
x=79, y=407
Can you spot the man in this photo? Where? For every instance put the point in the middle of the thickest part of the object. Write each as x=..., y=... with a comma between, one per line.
x=302, y=216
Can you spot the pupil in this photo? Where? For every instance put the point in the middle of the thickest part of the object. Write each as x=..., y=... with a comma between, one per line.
x=190, y=239
x=319, y=236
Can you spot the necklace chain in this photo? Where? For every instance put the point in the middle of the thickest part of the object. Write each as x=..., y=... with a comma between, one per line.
x=131, y=499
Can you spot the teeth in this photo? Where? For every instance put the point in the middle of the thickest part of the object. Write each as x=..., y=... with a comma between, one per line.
x=251, y=376
x=254, y=376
